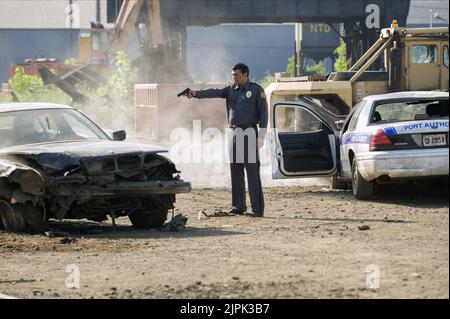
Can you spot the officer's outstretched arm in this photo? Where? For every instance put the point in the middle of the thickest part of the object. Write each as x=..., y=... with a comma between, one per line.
x=191, y=94
x=212, y=93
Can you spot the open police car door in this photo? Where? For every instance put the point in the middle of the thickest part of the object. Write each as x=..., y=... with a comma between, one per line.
x=304, y=144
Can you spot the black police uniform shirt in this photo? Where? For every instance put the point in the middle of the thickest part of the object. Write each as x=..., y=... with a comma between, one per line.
x=245, y=106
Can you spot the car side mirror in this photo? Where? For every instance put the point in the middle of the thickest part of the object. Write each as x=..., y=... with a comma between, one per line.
x=119, y=135
x=339, y=124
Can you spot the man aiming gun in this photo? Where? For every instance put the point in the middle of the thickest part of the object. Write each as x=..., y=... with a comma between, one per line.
x=246, y=110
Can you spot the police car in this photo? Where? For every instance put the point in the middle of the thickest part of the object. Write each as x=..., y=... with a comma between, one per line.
x=385, y=138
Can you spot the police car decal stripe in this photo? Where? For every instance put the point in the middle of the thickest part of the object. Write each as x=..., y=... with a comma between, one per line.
x=356, y=138
x=403, y=128
x=424, y=127
x=417, y=127
x=390, y=131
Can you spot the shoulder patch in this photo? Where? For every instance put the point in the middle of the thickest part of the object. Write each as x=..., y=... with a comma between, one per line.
x=261, y=91
x=259, y=86
x=263, y=95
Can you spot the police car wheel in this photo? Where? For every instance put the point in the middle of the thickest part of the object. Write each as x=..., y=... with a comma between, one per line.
x=362, y=189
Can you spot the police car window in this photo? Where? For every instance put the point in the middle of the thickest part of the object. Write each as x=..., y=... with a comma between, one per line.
x=422, y=54
x=400, y=111
x=354, y=118
x=445, y=55
x=289, y=119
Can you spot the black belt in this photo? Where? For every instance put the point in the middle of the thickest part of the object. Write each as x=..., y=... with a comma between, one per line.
x=243, y=126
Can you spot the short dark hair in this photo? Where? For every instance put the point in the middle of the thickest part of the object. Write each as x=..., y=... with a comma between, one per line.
x=241, y=67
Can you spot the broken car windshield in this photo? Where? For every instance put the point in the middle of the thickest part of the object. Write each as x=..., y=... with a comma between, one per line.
x=46, y=126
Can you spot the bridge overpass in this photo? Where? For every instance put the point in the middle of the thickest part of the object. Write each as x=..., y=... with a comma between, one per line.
x=176, y=15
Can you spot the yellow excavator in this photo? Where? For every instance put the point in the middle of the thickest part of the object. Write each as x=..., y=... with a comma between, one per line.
x=157, y=62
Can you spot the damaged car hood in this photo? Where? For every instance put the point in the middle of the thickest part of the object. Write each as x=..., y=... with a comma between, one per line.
x=54, y=157
x=83, y=148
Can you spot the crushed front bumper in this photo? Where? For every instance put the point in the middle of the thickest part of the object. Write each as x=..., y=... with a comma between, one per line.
x=122, y=189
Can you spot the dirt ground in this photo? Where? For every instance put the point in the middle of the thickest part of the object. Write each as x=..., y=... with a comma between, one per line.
x=309, y=245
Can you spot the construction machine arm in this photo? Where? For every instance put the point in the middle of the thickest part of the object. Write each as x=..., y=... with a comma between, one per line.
x=154, y=16
x=125, y=23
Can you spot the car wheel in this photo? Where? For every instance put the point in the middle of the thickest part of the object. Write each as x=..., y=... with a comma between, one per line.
x=336, y=183
x=362, y=189
x=21, y=218
x=11, y=219
x=146, y=218
x=33, y=217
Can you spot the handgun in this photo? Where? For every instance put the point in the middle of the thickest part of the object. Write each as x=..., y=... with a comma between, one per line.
x=184, y=92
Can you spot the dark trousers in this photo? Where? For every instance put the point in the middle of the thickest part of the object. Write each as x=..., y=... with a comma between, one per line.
x=244, y=155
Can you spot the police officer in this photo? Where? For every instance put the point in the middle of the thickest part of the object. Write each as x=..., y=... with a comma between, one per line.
x=246, y=109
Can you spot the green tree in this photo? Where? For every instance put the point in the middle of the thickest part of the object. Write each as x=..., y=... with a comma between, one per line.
x=316, y=69
x=70, y=61
x=23, y=84
x=120, y=86
x=290, y=68
x=30, y=88
x=112, y=103
x=342, y=64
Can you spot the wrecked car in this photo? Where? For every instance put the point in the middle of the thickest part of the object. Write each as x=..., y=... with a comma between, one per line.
x=55, y=163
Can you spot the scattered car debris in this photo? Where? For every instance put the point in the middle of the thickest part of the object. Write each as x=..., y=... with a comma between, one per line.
x=52, y=234
x=68, y=240
x=216, y=213
x=178, y=223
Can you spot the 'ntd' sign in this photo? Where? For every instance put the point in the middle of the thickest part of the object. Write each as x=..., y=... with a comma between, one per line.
x=319, y=35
